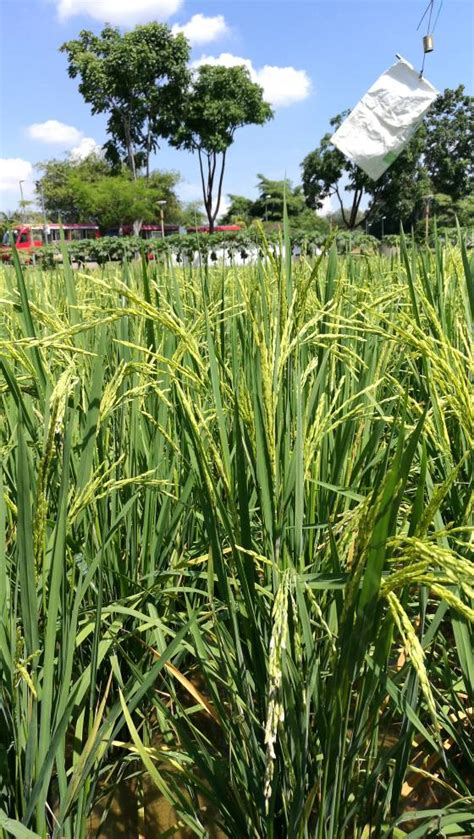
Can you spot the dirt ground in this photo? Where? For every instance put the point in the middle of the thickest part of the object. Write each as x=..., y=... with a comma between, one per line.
x=143, y=814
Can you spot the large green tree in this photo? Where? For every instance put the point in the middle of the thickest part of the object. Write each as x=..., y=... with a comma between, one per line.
x=93, y=190
x=117, y=200
x=272, y=197
x=192, y=214
x=438, y=158
x=446, y=211
x=137, y=78
x=239, y=210
x=218, y=102
x=269, y=206
x=449, y=144
x=57, y=185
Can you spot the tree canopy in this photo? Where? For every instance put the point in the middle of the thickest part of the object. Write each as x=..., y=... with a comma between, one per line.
x=268, y=206
x=239, y=210
x=137, y=78
x=219, y=101
x=58, y=182
x=438, y=158
x=272, y=196
x=117, y=200
x=449, y=144
x=93, y=190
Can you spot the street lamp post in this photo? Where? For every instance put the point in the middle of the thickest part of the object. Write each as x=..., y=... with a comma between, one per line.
x=45, y=223
x=266, y=206
x=427, y=199
x=22, y=200
x=162, y=217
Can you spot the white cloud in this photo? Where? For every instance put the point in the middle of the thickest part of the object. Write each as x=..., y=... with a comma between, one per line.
x=282, y=86
x=84, y=148
x=53, y=131
x=224, y=207
x=225, y=59
x=328, y=206
x=12, y=171
x=201, y=29
x=119, y=12
x=189, y=191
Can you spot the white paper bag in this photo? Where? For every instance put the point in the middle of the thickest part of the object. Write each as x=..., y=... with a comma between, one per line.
x=381, y=124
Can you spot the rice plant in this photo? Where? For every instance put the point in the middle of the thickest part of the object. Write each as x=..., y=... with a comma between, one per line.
x=236, y=546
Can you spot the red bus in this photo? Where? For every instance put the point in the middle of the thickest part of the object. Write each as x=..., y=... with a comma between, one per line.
x=220, y=228
x=155, y=231
x=147, y=231
x=28, y=237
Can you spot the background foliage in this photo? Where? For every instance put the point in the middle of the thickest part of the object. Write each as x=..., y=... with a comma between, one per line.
x=438, y=159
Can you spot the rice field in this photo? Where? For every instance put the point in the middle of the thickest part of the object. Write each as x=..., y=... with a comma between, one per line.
x=236, y=568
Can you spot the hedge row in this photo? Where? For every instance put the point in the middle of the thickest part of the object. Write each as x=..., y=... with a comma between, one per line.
x=118, y=248
x=446, y=235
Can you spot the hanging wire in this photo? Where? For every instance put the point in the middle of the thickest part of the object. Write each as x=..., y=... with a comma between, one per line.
x=437, y=16
x=423, y=65
x=428, y=11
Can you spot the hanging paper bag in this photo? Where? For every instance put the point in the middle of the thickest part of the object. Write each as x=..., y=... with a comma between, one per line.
x=382, y=123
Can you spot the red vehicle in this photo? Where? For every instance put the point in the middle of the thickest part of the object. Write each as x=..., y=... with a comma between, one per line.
x=220, y=228
x=155, y=231
x=147, y=231
x=27, y=238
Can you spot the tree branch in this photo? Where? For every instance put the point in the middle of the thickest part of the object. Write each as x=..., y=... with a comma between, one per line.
x=130, y=150
x=337, y=193
x=214, y=163
x=211, y=171
x=201, y=169
x=355, y=206
x=148, y=149
x=370, y=210
x=219, y=188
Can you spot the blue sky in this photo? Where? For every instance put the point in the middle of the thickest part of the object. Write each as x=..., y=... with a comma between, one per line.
x=313, y=58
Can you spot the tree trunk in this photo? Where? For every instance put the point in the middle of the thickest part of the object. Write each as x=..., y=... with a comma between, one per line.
x=130, y=149
x=350, y=222
x=208, y=185
x=205, y=192
x=211, y=168
x=137, y=224
x=355, y=208
x=148, y=149
x=219, y=189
